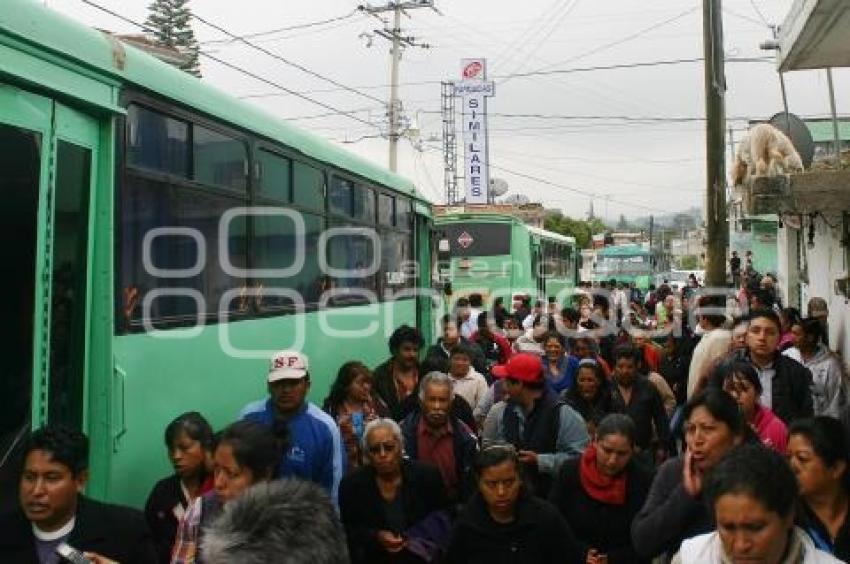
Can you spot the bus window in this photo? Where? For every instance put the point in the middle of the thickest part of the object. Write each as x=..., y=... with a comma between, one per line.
x=273, y=179
x=68, y=313
x=340, y=196
x=219, y=160
x=386, y=210
x=273, y=247
x=309, y=187
x=157, y=142
x=364, y=204
x=479, y=239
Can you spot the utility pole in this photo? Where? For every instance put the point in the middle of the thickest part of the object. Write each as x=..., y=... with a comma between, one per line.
x=715, y=112
x=398, y=42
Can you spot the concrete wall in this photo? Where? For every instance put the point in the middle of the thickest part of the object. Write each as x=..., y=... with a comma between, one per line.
x=826, y=263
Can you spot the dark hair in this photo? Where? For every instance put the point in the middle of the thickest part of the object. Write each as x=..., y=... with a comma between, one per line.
x=598, y=372
x=616, y=424
x=462, y=302
x=626, y=351
x=768, y=314
x=448, y=318
x=346, y=374
x=493, y=455
x=405, y=334
x=557, y=336
x=739, y=368
x=462, y=348
x=65, y=445
x=721, y=406
x=792, y=314
x=827, y=436
x=483, y=320
x=715, y=303
x=254, y=446
x=812, y=327
x=194, y=425
x=765, y=297
x=570, y=314
x=757, y=471
x=476, y=300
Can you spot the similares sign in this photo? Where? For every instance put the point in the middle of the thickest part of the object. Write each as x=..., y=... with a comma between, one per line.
x=474, y=89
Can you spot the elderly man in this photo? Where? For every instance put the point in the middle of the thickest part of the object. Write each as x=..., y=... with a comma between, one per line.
x=432, y=434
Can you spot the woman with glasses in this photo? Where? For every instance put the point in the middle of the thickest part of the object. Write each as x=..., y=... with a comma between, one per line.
x=600, y=494
x=380, y=502
x=504, y=523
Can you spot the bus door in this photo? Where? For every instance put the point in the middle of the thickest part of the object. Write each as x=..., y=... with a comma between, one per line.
x=47, y=153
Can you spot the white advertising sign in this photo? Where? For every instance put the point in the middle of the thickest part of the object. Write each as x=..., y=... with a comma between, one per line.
x=474, y=91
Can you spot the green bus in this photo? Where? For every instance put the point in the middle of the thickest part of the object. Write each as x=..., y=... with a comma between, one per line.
x=500, y=256
x=162, y=239
x=631, y=263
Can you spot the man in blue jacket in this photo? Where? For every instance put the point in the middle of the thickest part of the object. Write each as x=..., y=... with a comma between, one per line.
x=312, y=445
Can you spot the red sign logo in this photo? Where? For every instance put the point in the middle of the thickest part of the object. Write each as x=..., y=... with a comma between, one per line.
x=473, y=70
x=465, y=240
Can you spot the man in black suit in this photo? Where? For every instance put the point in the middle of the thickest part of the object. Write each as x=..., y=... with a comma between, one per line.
x=53, y=510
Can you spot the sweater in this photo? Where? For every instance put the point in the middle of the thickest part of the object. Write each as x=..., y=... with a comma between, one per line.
x=601, y=526
x=707, y=549
x=538, y=535
x=669, y=515
x=828, y=392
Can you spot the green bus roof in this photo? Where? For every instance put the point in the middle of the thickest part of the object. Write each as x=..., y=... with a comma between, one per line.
x=118, y=63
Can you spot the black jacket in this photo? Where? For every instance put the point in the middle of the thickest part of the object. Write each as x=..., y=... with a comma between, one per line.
x=385, y=389
x=159, y=514
x=362, y=508
x=791, y=393
x=465, y=448
x=602, y=526
x=669, y=515
x=119, y=533
x=538, y=535
x=646, y=409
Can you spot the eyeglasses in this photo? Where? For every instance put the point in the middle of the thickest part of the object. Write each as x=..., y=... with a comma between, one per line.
x=378, y=448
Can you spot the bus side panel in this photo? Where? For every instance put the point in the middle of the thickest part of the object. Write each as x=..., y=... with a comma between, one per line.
x=164, y=376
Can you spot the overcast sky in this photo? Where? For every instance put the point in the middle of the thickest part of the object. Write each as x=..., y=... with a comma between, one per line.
x=631, y=167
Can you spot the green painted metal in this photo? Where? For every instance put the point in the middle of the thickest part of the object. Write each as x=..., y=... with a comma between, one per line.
x=617, y=262
x=823, y=132
x=162, y=376
x=46, y=34
x=507, y=275
x=137, y=383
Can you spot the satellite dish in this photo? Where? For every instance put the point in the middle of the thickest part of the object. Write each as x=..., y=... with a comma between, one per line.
x=799, y=134
x=498, y=187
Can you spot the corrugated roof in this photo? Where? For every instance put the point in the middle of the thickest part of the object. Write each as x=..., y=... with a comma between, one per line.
x=822, y=130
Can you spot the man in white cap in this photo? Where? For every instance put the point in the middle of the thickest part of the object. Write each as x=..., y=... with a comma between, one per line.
x=312, y=445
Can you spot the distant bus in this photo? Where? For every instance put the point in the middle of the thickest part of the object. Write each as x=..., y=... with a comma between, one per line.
x=628, y=264
x=500, y=256
x=162, y=238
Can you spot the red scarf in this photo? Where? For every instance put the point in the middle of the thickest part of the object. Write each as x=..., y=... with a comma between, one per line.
x=596, y=484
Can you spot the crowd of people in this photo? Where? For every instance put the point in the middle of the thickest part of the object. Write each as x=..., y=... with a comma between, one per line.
x=603, y=431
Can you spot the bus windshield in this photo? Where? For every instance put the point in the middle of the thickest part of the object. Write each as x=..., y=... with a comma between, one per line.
x=478, y=239
x=638, y=264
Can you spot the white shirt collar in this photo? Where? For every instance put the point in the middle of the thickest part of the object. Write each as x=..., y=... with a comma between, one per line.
x=64, y=531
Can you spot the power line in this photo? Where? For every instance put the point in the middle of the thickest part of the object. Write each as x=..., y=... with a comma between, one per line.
x=764, y=60
x=626, y=39
x=760, y=15
x=259, y=34
x=145, y=27
x=286, y=61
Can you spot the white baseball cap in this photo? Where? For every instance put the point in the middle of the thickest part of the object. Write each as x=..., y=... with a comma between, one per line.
x=287, y=365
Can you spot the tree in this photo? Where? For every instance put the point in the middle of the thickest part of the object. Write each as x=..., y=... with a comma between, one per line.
x=583, y=231
x=171, y=22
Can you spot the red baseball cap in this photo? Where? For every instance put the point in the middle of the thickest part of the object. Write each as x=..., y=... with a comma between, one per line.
x=525, y=367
